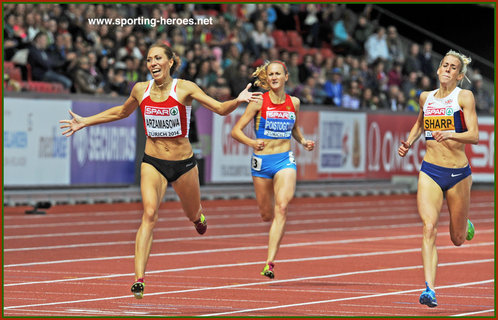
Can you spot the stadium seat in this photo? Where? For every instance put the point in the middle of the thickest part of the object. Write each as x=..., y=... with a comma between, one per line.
x=44, y=87
x=327, y=53
x=295, y=39
x=281, y=40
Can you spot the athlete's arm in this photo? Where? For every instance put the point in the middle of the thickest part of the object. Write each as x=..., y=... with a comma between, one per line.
x=237, y=130
x=417, y=129
x=112, y=114
x=468, y=105
x=192, y=91
x=296, y=131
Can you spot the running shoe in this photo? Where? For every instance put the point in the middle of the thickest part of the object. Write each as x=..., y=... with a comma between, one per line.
x=428, y=297
x=201, y=225
x=138, y=289
x=470, y=230
x=268, y=270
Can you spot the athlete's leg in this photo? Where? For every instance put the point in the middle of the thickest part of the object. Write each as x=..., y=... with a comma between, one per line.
x=188, y=190
x=284, y=184
x=458, y=200
x=263, y=188
x=429, y=202
x=153, y=186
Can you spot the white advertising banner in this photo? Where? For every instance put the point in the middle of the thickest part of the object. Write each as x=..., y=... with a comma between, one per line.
x=35, y=152
x=230, y=158
x=342, y=142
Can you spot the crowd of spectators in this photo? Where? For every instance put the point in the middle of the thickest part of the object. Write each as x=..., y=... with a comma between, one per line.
x=371, y=68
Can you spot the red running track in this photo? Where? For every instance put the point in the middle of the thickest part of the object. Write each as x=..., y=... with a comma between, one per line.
x=341, y=256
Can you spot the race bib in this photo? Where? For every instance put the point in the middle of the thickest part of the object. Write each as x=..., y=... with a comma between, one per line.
x=256, y=163
x=163, y=122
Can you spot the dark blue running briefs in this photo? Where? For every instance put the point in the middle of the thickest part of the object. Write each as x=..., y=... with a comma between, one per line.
x=445, y=177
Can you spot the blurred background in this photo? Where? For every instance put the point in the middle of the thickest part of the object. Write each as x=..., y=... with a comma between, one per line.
x=358, y=70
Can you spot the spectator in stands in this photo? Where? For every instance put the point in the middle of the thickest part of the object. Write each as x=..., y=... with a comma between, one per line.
x=333, y=88
x=285, y=18
x=376, y=46
x=352, y=97
x=117, y=79
x=380, y=78
x=395, y=45
x=261, y=37
x=42, y=66
x=412, y=103
x=311, y=92
x=293, y=69
x=168, y=157
x=84, y=81
x=412, y=62
x=12, y=38
x=205, y=77
x=368, y=100
x=273, y=165
x=426, y=60
x=130, y=49
x=310, y=25
x=410, y=83
x=31, y=28
x=395, y=75
x=190, y=72
x=306, y=68
x=394, y=98
x=131, y=73
x=342, y=41
x=242, y=77
x=363, y=30
x=445, y=172
x=484, y=101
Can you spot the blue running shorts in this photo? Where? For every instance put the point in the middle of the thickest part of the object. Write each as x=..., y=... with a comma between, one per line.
x=445, y=177
x=267, y=165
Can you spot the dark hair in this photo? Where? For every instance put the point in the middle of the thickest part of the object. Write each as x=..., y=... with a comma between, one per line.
x=170, y=54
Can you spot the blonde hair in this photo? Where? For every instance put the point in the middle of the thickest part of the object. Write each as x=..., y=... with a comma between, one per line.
x=464, y=62
x=262, y=76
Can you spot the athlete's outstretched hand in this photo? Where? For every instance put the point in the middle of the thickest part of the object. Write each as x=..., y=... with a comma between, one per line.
x=73, y=125
x=246, y=96
x=403, y=148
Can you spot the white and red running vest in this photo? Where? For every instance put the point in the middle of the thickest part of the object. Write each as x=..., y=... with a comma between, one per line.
x=166, y=119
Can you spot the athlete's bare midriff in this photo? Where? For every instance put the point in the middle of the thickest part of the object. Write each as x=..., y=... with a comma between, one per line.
x=273, y=146
x=449, y=154
x=169, y=148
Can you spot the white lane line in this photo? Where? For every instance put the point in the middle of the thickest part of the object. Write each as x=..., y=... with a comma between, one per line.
x=473, y=313
x=343, y=299
x=477, y=202
x=230, y=237
x=223, y=226
x=253, y=213
x=294, y=210
x=331, y=257
x=341, y=229
x=270, y=282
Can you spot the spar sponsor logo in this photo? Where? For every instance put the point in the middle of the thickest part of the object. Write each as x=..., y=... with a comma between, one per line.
x=281, y=115
x=156, y=111
x=435, y=112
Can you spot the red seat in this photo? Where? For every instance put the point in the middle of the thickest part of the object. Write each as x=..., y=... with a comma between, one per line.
x=327, y=53
x=295, y=39
x=281, y=40
x=44, y=87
